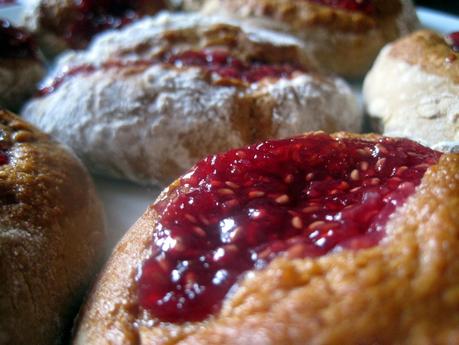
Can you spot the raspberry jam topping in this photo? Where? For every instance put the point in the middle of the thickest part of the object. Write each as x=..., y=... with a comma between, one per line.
x=299, y=197
x=15, y=43
x=453, y=41
x=3, y=158
x=229, y=67
x=218, y=62
x=364, y=6
x=7, y=2
x=97, y=16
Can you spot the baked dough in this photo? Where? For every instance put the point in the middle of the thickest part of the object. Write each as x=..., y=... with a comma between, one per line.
x=21, y=66
x=188, y=5
x=149, y=121
x=402, y=290
x=413, y=91
x=343, y=41
x=63, y=24
x=51, y=235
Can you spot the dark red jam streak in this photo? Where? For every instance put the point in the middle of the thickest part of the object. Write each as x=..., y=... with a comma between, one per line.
x=94, y=16
x=7, y=2
x=300, y=197
x=15, y=43
x=364, y=6
x=3, y=158
x=215, y=61
x=453, y=41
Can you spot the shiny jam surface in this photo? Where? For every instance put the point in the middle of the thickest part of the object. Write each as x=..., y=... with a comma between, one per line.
x=96, y=16
x=219, y=62
x=364, y=6
x=299, y=197
x=453, y=41
x=15, y=43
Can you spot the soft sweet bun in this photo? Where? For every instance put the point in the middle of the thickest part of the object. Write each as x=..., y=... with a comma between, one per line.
x=345, y=36
x=64, y=24
x=21, y=66
x=189, y=5
x=51, y=233
x=145, y=103
x=318, y=239
x=413, y=89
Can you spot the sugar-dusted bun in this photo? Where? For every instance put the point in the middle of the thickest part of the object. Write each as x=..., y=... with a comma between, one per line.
x=413, y=90
x=345, y=36
x=343, y=239
x=145, y=103
x=51, y=232
x=21, y=67
x=65, y=24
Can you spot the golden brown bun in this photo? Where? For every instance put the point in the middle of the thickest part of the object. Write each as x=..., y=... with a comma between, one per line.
x=21, y=65
x=343, y=42
x=18, y=79
x=430, y=51
x=51, y=232
x=412, y=90
x=51, y=20
x=403, y=291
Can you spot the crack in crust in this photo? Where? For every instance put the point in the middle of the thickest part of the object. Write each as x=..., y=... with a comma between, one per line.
x=50, y=236
x=403, y=291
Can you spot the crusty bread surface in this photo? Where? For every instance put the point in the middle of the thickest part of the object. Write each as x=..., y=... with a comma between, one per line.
x=51, y=235
x=402, y=291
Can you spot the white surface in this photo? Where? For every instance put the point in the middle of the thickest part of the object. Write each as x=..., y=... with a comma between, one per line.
x=125, y=202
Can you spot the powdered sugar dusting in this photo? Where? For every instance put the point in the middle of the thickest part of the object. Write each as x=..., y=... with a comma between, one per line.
x=152, y=124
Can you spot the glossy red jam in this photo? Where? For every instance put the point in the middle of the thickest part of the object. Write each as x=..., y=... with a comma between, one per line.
x=15, y=43
x=300, y=197
x=364, y=6
x=7, y=2
x=219, y=62
x=453, y=41
x=229, y=67
x=97, y=16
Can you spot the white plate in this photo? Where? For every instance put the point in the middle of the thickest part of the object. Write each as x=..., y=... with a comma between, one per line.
x=125, y=202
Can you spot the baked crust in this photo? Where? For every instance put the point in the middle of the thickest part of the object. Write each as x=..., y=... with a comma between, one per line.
x=188, y=5
x=51, y=233
x=428, y=50
x=49, y=21
x=21, y=65
x=18, y=80
x=342, y=41
x=178, y=115
x=403, y=291
x=412, y=91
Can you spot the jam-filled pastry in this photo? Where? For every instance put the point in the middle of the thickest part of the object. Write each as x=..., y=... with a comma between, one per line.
x=147, y=102
x=413, y=89
x=21, y=66
x=64, y=24
x=317, y=239
x=51, y=235
x=345, y=36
